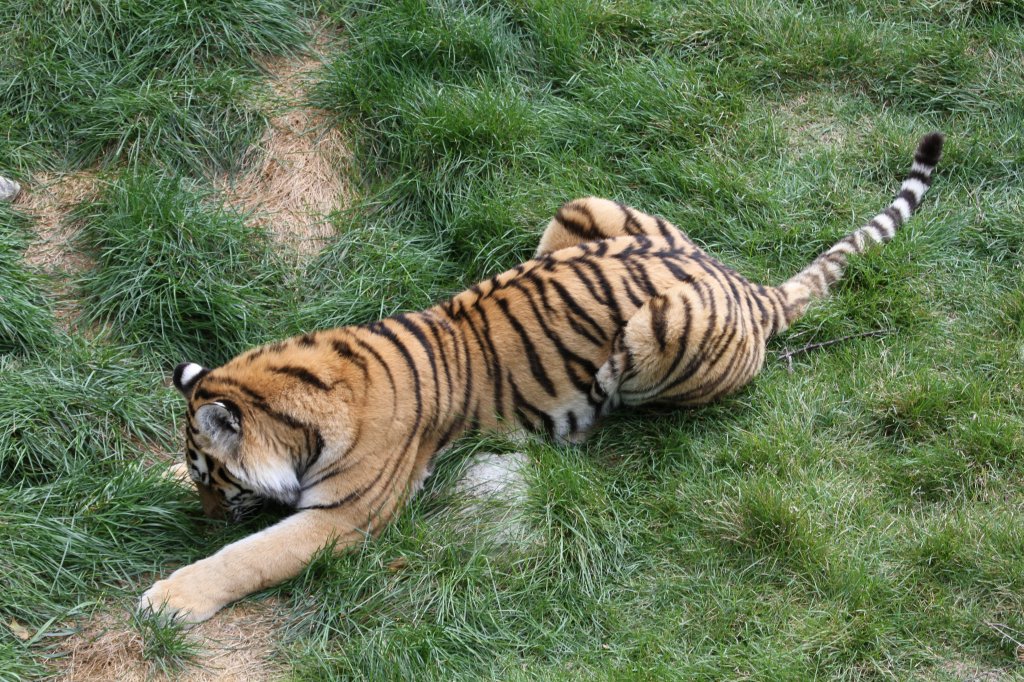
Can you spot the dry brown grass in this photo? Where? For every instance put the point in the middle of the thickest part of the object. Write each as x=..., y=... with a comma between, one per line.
x=49, y=199
x=236, y=646
x=969, y=671
x=810, y=122
x=294, y=178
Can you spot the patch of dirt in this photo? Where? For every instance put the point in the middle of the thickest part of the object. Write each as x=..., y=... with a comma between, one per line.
x=293, y=178
x=965, y=671
x=49, y=199
x=236, y=645
x=808, y=124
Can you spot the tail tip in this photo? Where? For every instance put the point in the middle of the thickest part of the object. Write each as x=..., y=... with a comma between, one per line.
x=929, y=149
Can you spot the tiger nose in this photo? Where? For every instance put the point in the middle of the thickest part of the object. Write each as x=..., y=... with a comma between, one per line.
x=211, y=504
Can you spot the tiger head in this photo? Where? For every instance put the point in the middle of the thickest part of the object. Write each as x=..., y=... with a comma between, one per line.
x=238, y=456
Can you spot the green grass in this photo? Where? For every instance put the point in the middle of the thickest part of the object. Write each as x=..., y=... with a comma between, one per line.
x=185, y=278
x=26, y=318
x=83, y=82
x=856, y=518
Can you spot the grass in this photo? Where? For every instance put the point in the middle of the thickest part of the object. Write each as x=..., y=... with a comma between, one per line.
x=26, y=319
x=858, y=517
x=182, y=277
x=84, y=83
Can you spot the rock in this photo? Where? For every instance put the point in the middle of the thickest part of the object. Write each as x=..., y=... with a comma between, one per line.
x=8, y=189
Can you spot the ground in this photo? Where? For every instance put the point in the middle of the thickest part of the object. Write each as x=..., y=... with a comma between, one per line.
x=201, y=178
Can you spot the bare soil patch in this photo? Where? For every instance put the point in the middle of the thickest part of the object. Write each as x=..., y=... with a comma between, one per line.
x=236, y=645
x=969, y=671
x=49, y=198
x=293, y=179
x=810, y=122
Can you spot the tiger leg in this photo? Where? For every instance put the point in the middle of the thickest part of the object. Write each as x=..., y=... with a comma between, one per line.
x=688, y=346
x=195, y=592
x=593, y=219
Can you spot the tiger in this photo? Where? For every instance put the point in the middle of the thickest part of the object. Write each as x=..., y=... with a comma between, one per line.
x=617, y=309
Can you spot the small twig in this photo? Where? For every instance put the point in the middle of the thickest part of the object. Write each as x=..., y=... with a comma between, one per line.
x=1004, y=632
x=788, y=354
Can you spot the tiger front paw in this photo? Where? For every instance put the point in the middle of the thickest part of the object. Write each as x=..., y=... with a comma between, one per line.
x=183, y=597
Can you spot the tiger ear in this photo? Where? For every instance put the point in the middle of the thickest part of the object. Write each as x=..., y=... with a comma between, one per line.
x=186, y=375
x=221, y=422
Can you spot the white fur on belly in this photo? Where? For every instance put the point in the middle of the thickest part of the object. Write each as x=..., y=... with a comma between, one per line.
x=497, y=476
x=492, y=496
